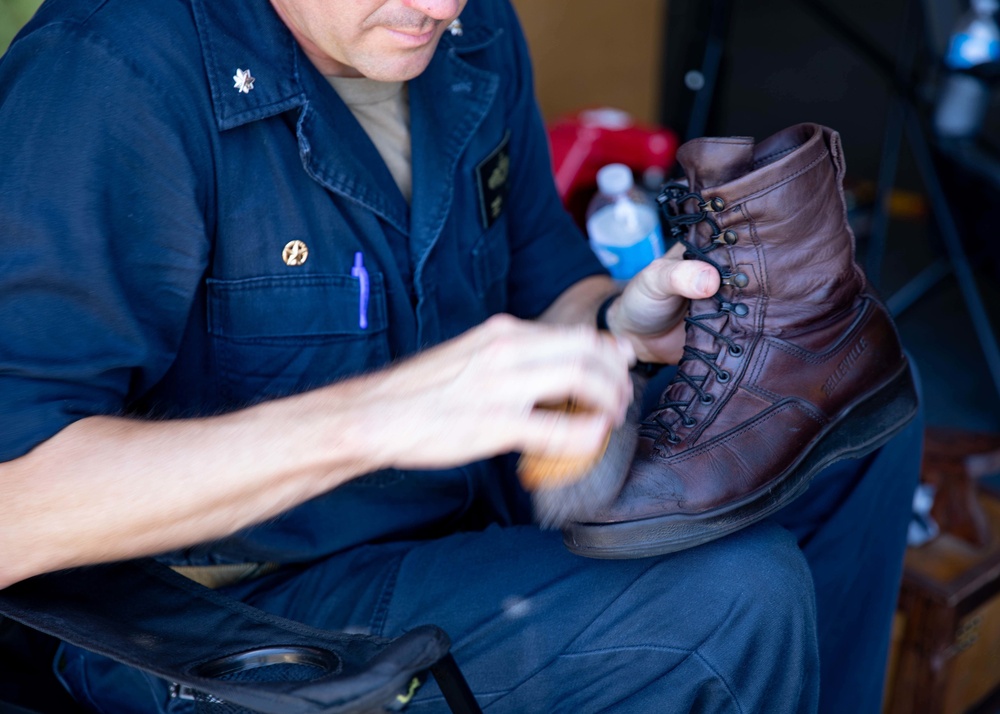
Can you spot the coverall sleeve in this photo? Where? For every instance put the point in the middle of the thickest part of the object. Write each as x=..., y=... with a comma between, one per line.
x=548, y=251
x=102, y=231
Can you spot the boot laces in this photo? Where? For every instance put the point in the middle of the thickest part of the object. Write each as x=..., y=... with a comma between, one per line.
x=671, y=200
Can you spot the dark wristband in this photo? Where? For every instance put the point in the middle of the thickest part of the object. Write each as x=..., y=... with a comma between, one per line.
x=646, y=369
x=602, y=312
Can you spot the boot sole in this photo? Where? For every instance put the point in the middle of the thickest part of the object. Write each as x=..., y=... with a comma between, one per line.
x=859, y=430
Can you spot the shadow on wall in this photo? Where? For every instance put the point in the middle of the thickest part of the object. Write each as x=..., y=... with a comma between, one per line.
x=13, y=14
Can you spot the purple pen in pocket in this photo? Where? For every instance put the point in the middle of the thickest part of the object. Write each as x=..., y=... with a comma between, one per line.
x=359, y=272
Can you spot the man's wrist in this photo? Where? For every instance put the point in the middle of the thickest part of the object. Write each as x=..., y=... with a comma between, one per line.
x=602, y=312
x=647, y=369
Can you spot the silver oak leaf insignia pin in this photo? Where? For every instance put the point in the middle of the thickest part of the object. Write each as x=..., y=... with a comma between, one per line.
x=244, y=81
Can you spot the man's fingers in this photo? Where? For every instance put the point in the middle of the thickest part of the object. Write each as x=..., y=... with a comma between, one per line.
x=696, y=280
x=656, y=301
x=552, y=364
x=519, y=341
x=685, y=278
x=488, y=391
x=596, y=380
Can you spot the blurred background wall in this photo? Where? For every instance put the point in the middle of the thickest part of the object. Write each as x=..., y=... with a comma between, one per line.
x=595, y=53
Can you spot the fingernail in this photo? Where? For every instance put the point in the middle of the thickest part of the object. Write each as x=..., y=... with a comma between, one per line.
x=703, y=283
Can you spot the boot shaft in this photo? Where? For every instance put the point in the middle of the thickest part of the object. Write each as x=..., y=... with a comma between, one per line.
x=777, y=227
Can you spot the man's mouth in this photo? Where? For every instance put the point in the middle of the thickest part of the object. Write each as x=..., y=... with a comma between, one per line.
x=414, y=36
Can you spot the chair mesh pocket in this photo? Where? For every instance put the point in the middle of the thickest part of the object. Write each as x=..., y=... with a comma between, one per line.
x=266, y=665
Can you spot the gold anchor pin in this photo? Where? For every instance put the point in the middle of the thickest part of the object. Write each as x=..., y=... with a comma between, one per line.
x=295, y=253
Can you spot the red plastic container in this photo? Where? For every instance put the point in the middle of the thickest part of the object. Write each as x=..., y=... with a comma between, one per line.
x=584, y=142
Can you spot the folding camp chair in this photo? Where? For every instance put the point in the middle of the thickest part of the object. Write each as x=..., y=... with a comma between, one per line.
x=227, y=656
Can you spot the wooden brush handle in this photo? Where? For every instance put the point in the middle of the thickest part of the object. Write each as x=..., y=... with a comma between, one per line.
x=541, y=471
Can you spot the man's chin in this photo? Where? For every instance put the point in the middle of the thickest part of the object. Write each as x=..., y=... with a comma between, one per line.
x=402, y=65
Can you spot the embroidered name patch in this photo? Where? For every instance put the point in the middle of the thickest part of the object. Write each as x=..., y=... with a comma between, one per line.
x=492, y=175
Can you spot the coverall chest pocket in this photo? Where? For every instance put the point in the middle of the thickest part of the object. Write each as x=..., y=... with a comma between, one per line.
x=274, y=336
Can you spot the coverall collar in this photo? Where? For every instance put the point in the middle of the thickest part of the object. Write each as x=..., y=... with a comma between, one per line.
x=250, y=36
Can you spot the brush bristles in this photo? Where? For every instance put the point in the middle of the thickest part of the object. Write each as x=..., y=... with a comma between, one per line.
x=574, y=489
x=538, y=471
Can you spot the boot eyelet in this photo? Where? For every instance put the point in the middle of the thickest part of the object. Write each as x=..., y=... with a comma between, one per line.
x=739, y=280
x=715, y=204
x=736, y=350
x=723, y=377
x=740, y=310
x=707, y=399
x=727, y=237
x=673, y=439
x=690, y=422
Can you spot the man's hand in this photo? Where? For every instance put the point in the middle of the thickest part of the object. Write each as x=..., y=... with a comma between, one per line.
x=650, y=312
x=479, y=394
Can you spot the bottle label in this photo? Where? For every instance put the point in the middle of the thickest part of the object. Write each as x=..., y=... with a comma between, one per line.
x=624, y=261
x=971, y=48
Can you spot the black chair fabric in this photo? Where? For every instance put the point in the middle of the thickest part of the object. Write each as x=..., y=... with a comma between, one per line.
x=145, y=615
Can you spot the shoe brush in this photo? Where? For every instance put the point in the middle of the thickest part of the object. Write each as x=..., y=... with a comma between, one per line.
x=569, y=489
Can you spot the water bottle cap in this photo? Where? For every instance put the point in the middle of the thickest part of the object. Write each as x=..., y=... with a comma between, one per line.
x=606, y=118
x=985, y=7
x=614, y=179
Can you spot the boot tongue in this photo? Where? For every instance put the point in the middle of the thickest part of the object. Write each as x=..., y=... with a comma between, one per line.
x=713, y=162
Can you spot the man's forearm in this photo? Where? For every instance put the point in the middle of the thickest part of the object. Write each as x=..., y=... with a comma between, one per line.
x=108, y=488
x=580, y=302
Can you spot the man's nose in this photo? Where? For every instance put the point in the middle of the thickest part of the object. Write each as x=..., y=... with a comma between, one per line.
x=436, y=9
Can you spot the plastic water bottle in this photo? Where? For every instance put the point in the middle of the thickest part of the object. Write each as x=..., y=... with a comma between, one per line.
x=623, y=224
x=964, y=98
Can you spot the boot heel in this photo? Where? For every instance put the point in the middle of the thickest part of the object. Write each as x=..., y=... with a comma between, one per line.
x=869, y=424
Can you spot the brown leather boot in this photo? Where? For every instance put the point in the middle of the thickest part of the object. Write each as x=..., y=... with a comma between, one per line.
x=792, y=365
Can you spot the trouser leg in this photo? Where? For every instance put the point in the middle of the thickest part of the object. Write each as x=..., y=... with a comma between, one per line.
x=725, y=627
x=851, y=525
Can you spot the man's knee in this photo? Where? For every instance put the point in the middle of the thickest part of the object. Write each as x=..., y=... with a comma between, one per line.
x=759, y=572
x=756, y=595
x=764, y=568
x=750, y=590
x=733, y=621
